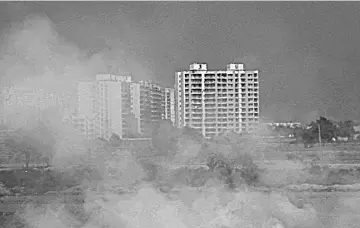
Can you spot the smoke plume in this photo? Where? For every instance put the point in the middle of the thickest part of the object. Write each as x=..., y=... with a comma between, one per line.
x=35, y=57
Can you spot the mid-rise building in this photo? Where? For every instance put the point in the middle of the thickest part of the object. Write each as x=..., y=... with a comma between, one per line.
x=117, y=105
x=148, y=105
x=22, y=104
x=288, y=124
x=84, y=117
x=215, y=101
x=83, y=124
x=113, y=105
x=170, y=104
x=32, y=100
x=86, y=99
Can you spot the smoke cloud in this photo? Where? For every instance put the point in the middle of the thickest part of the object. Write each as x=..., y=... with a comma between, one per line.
x=35, y=57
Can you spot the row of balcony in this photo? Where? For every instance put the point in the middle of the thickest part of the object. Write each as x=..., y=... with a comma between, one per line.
x=236, y=94
x=197, y=84
x=222, y=119
x=219, y=103
x=222, y=114
x=211, y=100
x=243, y=106
x=227, y=90
x=242, y=75
x=207, y=98
x=213, y=92
x=228, y=85
x=221, y=128
x=223, y=80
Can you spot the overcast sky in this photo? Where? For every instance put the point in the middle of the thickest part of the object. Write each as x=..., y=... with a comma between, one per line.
x=307, y=52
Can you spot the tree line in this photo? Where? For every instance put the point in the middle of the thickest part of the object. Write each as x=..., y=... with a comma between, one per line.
x=323, y=130
x=38, y=144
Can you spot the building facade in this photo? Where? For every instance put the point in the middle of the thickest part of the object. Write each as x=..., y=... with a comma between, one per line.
x=148, y=105
x=86, y=99
x=215, y=101
x=113, y=105
x=83, y=124
x=84, y=117
x=170, y=104
x=22, y=105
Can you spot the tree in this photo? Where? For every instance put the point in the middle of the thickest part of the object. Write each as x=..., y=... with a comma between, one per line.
x=192, y=133
x=43, y=140
x=327, y=128
x=346, y=129
x=115, y=140
x=3, y=190
x=298, y=133
x=133, y=126
x=309, y=137
x=20, y=145
x=234, y=163
x=328, y=131
x=164, y=136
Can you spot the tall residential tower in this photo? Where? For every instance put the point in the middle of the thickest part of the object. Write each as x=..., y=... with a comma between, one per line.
x=113, y=105
x=170, y=104
x=214, y=101
x=147, y=105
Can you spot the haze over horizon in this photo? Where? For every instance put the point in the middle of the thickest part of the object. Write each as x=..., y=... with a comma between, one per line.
x=306, y=52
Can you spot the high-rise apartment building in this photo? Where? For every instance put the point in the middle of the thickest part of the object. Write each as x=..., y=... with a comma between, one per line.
x=86, y=99
x=214, y=101
x=84, y=117
x=113, y=105
x=82, y=123
x=148, y=105
x=22, y=104
x=170, y=104
x=117, y=105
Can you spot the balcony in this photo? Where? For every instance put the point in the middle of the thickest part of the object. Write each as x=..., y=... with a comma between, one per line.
x=210, y=105
x=210, y=120
x=196, y=86
x=221, y=110
x=211, y=91
x=198, y=91
x=196, y=76
x=196, y=101
x=210, y=81
x=210, y=101
x=196, y=116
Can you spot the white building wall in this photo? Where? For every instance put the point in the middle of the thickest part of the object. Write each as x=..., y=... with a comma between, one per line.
x=214, y=101
x=170, y=104
x=86, y=99
x=135, y=104
x=109, y=104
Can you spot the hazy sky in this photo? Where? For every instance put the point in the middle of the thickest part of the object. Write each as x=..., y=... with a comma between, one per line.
x=307, y=52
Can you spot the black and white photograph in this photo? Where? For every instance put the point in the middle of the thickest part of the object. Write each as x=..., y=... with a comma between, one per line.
x=179, y=114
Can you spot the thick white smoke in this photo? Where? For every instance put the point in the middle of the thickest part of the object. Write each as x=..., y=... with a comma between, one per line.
x=35, y=57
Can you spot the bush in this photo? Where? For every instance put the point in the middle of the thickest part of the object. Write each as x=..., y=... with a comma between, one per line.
x=191, y=177
x=249, y=171
x=3, y=190
x=150, y=169
x=236, y=172
x=294, y=157
x=216, y=161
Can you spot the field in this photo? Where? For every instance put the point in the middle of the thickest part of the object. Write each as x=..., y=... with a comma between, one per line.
x=345, y=153
x=330, y=207
x=335, y=209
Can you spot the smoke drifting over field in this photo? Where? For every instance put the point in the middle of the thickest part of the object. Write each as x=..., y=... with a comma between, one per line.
x=35, y=56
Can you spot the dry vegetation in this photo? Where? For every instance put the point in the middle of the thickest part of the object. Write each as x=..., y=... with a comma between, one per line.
x=114, y=187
